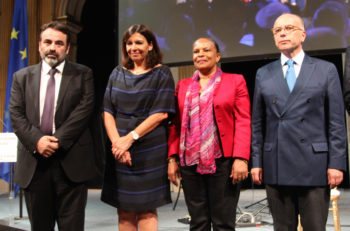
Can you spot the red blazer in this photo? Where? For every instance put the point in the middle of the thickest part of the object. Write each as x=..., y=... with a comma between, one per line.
x=232, y=115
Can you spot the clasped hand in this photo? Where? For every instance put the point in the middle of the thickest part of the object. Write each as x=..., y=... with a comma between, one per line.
x=120, y=149
x=47, y=145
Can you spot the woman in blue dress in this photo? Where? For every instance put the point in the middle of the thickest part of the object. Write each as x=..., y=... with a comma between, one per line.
x=138, y=102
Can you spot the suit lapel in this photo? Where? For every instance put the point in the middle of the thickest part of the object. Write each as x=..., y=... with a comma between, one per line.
x=216, y=90
x=34, y=90
x=306, y=70
x=278, y=85
x=66, y=77
x=279, y=81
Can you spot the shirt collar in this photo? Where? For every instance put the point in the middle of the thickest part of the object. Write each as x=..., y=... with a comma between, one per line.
x=298, y=59
x=46, y=67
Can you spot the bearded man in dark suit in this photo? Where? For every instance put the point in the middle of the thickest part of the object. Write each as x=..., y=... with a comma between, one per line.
x=51, y=105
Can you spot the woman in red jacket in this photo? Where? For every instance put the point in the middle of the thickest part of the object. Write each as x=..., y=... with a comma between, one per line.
x=210, y=137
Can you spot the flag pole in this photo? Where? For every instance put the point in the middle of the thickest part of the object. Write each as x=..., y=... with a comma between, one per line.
x=18, y=59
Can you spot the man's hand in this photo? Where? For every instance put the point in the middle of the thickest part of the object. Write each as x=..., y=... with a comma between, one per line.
x=239, y=170
x=256, y=175
x=47, y=145
x=335, y=177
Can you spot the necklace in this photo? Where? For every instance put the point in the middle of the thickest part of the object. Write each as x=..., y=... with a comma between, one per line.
x=138, y=72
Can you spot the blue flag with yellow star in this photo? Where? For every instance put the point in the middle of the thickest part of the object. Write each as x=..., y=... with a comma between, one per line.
x=18, y=59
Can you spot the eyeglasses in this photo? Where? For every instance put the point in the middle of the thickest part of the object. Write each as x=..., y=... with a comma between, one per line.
x=288, y=29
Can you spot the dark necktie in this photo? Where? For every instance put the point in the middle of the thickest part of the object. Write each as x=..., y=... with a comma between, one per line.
x=49, y=106
x=290, y=75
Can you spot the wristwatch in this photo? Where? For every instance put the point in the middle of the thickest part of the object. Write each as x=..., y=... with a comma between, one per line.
x=135, y=136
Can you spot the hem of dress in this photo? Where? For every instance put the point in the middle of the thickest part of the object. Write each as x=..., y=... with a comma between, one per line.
x=118, y=206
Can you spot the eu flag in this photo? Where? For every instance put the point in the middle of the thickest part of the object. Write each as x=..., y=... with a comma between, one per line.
x=18, y=59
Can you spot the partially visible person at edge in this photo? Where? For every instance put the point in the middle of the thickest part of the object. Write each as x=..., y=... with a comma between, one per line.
x=347, y=80
x=51, y=106
x=210, y=137
x=138, y=102
x=298, y=131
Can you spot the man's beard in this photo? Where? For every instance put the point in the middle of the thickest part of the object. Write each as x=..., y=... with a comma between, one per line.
x=52, y=61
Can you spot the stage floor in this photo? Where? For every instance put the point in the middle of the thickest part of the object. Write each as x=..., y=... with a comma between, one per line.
x=102, y=217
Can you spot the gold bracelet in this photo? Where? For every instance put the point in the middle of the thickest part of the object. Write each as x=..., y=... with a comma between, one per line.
x=171, y=159
x=244, y=160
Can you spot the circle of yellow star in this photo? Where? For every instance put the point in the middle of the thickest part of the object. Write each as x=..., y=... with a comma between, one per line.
x=23, y=53
x=14, y=34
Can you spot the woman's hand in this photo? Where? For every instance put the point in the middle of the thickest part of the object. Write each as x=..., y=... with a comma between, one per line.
x=173, y=171
x=121, y=145
x=239, y=170
x=125, y=158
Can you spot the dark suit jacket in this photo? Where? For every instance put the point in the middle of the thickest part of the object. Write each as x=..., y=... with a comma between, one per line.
x=347, y=80
x=232, y=115
x=75, y=104
x=297, y=136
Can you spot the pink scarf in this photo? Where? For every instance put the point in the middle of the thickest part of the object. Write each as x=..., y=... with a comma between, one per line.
x=199, y=140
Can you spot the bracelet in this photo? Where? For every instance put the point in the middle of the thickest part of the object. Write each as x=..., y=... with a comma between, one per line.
x=244, y=160
x=171, y=159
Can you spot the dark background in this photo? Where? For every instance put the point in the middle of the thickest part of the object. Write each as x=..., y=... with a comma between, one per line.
x=242, y=28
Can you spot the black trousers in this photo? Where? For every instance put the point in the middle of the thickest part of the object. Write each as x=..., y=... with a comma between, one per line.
x=52, y=197
x=286, y=202
x=211, y=198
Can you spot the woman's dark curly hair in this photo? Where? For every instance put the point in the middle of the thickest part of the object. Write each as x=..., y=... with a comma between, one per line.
x=153, y=57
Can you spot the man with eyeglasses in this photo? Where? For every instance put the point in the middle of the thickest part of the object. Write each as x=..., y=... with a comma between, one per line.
x=298, y=131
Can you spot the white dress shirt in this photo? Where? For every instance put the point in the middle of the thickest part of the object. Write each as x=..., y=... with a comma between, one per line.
x=298, y=60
